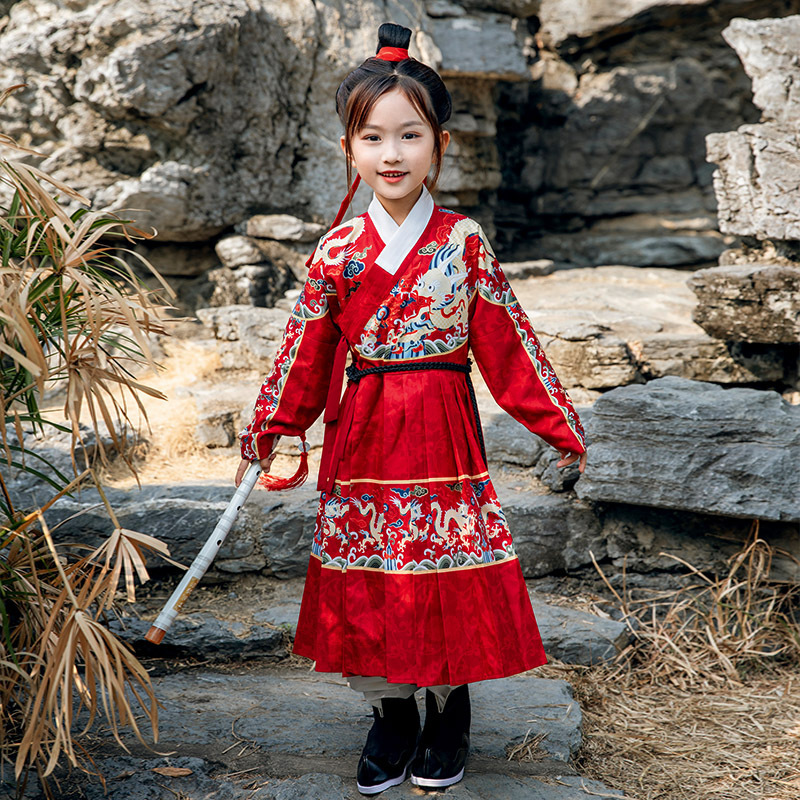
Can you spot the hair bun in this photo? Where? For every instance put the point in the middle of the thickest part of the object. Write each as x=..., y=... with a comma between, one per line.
x=391, y=35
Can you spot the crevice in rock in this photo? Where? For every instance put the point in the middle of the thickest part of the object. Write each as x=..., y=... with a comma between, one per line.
x=193, y=92
x=299, y=155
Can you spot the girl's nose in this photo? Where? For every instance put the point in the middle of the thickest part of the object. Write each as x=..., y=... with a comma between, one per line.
x=391, y=152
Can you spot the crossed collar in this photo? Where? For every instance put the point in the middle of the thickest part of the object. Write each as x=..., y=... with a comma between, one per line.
x=399, y=239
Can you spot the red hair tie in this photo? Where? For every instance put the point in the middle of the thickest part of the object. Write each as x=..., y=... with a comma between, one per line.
x=392, y=53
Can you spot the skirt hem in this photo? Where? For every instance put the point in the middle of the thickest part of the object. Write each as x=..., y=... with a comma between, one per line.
x=431, y=627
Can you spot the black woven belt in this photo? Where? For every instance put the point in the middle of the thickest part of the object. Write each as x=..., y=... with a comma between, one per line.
x=355, y=374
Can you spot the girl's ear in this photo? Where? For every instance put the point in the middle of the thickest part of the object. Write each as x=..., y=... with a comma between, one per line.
x=344, y=149
x=445, y=140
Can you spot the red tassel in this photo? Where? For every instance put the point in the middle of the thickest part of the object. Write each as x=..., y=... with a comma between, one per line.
x=273, y=483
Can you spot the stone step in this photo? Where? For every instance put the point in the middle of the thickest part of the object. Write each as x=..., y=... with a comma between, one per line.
x=133, y=779
x=297, y=713
x=280, y=734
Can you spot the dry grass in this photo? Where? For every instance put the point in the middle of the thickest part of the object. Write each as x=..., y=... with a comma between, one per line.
x=716, y=628
x=705, y=703
x=529, y=749
x=173, y=454
x=72, y=314
x=702, y=743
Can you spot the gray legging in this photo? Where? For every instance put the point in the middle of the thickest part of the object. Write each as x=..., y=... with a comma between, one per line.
x=375, y=688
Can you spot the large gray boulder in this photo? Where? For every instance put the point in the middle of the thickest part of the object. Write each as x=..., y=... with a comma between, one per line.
x=756, y=180
x=198, y=116
x=562, y=19
x=675, y=443
x=749, y=302
x=768, y=51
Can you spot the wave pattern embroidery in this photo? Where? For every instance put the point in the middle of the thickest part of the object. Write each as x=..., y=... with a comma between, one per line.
x=412, y=528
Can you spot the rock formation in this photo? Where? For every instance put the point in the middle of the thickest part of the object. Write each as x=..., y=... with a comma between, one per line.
x=752, y=296
x=197, y=116
x=567, y=115
x=674, y=443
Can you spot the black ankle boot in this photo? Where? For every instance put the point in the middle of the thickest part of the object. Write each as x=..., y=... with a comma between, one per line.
x=390, y=745
x=444, y=745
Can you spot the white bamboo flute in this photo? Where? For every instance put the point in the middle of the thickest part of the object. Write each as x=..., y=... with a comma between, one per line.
x=204, y=558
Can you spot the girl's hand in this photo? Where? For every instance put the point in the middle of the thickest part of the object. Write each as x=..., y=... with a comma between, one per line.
x=568, y=458
x=244, y=464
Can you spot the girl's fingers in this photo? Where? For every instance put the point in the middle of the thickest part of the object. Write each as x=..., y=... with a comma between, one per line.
x=568, y=458
x=264, y=463
x=243, y=465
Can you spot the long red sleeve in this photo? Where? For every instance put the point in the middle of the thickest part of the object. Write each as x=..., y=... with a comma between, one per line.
x=294, y=393
x=510, y=357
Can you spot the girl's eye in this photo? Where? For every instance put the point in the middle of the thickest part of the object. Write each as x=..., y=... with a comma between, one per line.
x=373, y=137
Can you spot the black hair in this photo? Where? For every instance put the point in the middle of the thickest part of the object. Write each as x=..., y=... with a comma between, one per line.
x=423, y=86
x=391, y=35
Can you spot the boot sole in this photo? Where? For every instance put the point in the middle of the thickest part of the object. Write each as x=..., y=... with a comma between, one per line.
x=437, y=783
x=379, y=787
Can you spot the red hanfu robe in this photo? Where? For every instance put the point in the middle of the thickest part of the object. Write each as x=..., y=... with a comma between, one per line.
x=412, y=573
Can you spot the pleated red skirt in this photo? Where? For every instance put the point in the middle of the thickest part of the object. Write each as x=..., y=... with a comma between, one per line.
x=434, y=627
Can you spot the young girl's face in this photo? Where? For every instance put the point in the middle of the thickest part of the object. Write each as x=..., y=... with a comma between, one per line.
x=393, y=152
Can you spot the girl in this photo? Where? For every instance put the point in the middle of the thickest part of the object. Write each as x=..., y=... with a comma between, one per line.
x=412, y=579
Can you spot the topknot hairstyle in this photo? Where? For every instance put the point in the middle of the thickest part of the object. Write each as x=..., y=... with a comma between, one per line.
x=421, y=84
x=391, y=35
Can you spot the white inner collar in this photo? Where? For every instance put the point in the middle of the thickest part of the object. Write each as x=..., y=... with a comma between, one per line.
x=399, y=239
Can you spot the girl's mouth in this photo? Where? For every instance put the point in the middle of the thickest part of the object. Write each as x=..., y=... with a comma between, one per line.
x=393, y=177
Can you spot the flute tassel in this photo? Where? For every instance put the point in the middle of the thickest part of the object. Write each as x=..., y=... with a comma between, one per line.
x=274, y=483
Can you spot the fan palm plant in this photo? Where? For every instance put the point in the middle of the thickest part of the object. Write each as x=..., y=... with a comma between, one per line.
x=74, y=317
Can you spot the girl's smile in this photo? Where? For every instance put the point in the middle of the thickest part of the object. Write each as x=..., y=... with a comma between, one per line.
x=393, y=177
